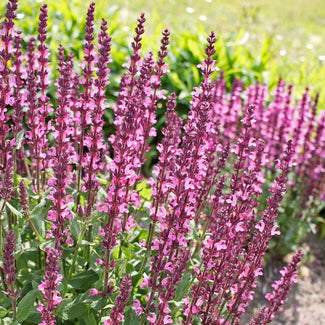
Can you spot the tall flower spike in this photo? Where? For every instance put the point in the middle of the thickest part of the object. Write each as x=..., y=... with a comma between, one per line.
x=24, y=204
x=59, y=212
x=43, y=59
x=145, y=82
x=19, y=74
x=35, y=133
x=300, y=123
x=7, y=188
x=9, y=269
x=33, y=122
x=126, y=161
x=23, y=197
x=6, y=83
x=48, y=287
x=280, y=292
x=43, y=100
x=116, y=316
x=94, y=139
x=191, y=170
x=17, y=115
x=87, y=102
x=31, y=57
x=265, y=229
x=136, y=45
x=7, y=184
x=168, y=151
x=308, y=147
x=60, y=156
x=285, y=124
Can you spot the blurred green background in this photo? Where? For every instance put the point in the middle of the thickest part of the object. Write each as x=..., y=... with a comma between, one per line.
x=257, y=40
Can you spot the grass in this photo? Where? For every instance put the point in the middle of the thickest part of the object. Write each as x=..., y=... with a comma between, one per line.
x=296, y=30
x=268, y=38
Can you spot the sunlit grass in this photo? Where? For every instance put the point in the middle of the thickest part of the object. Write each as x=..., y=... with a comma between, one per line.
x=268, y=38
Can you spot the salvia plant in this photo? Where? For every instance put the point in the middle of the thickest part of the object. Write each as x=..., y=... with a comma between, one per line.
x=87, y=238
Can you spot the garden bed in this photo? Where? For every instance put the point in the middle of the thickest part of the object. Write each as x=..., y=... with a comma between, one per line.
x=306, y=300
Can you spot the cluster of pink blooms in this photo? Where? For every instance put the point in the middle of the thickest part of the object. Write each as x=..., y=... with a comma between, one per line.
x=278, y=118
x=205, y=215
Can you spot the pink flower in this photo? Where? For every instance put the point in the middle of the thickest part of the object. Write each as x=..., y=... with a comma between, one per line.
x=168, y=319
x=240, y=227
x=94, y=292
x=152, y=319
x=138, y=307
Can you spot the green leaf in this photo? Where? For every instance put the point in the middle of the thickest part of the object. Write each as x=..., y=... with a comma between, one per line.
x=44, y=205
x=8, y=321
x=34, y=317
x=14, y=210
x=95, y=302
x=182, y=287
x=136, y=279
x=3, y=312
x=75, y=228
x=73, y=310
x=144, y=190
x=141, y=185
x=143, y=234
x=120, y=267
x=19, y=139
x=129, y=268
x=195, y=48
x=131, y=318
x=115, y=252
x=127, y=253
x=86, y=243
x=84, y=280
x=97, y=215
x=89, y=319
x=25, y=256
x=26, y=305
x=38, y=216
x=48, y=243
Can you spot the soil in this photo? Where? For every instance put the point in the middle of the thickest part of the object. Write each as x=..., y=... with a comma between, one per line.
x=305, y=304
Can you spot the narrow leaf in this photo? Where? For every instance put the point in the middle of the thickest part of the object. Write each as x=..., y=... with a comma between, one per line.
x=19, y=139
x=182, y=287
x=14, y=210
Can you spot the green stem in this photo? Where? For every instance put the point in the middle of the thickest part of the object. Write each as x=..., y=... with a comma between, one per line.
x=78, y=183
x=1, y=212
x=120, y=248
x=0, y=236
x=89, y=238
x=221, y=309
x=39, y=258
x=2, y=275
x=64, y=267
x=38, y=175
x=14, y=173
x=149, y=241
x=14, y=302
x=194, y=297
x=198, y=244
x=39, y=237
x=76, y=249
